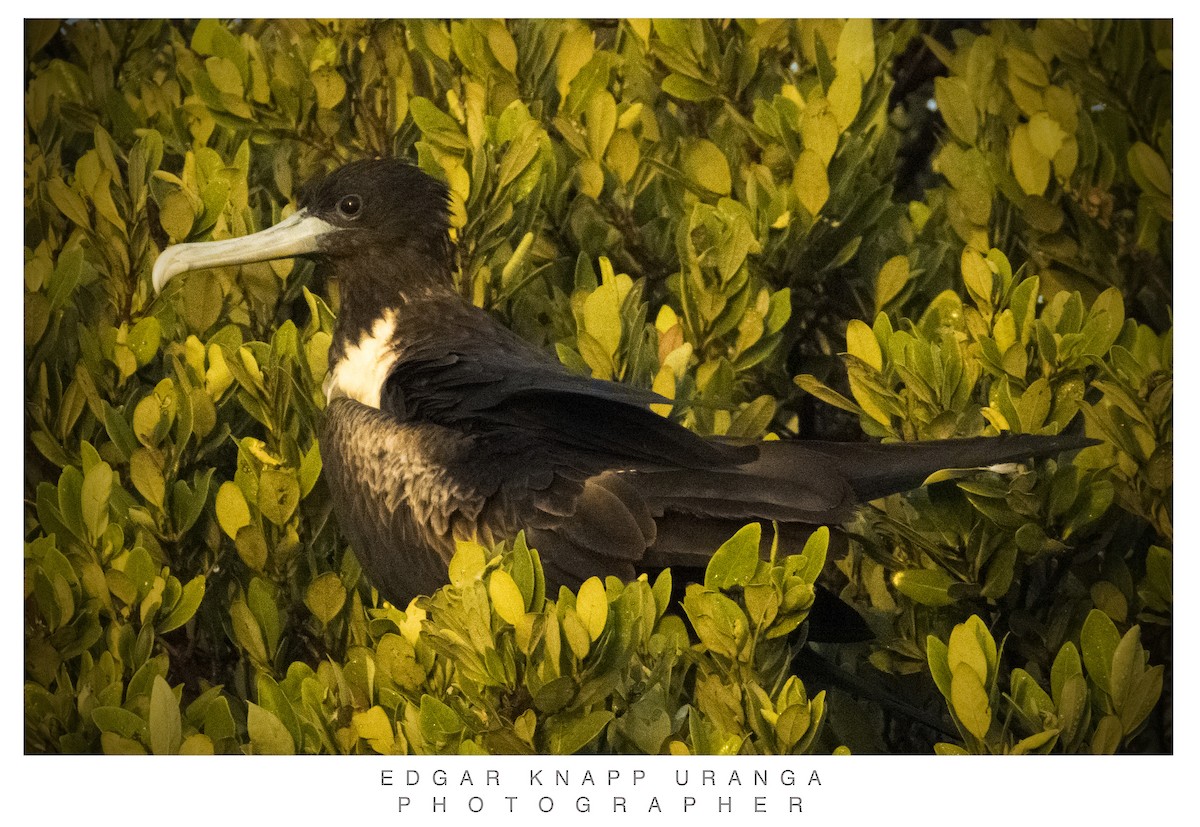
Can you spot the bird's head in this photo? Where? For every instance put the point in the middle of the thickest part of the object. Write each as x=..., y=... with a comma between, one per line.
x=385, y=210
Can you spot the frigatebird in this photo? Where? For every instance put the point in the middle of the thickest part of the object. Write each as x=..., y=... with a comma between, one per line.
x=442, y=424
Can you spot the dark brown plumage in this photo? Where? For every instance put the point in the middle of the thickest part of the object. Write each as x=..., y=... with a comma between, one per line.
x=443, y=425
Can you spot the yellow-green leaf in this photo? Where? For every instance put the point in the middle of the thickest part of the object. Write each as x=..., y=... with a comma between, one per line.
x=68, y=202
x=467, y=563
x=278, y=495
x=929, y=587
x=601, y=122
x=810, y=181
x=232, y=510
x=590, y=176
x=862, y=344
x=166, y=727
x=176, y=214
x=329, y=86
x=225, y=75
x=602, y=316
x=970, y=701
x=268, y=735
x=592, y=606
x=977, y=276
x=251, y=547
x=325, y=597
x=502, y=45
x=1149, y=169
x=623, y=155
x=506, y=597
x=845, y=98
x=1046, y=135
x=965, y=648
x=958, y=110
x=1031, y=168
x=856, y=48
x=819, y=131
x=892, y=278
x=705, y=164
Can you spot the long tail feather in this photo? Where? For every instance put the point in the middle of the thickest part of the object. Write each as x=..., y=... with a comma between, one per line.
x=878, y=469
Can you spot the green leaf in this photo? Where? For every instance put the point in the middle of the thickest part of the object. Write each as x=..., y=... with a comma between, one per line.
x=957, y=108
x=325, y=597
x=225, y=75
x=623, y=155
x=375, y=727
x=1149, y=170
x=893, y=277
x=68, y=202
x=845, y=98
x=274, y=700
x=251, y=546
x=735, y=562
x=233, y=513
x=1031, y=168
x=812, y=557
x=1036, y=742
x=1046, y=135
x=247, y=632
x=568, y=735
x=436, y=124
x=468, y=562
x=1110, y=600
x=268, y=735
x=185, y=608
x=438, y=721
x=1107, y=736
x=978, y=277
x=1143, y=697
x=1066, y=664
x=719, y=622
x=705, y=164
x=929, y=587
x=856, y=48
x=310, y=468
x=602, y=317
x=177, y=214
x=969, y=700
x=506, y=597
x=601, y=117
x=810, y=384
x=687, y=88
x=196, y=744
x=94, y=498
x=810, y=182
x=120, y=721
x=166, y=728
x=68, y=271
x=862, y=344
x=144, y=339
x=278, y=495
x=1126, y=666
x=1099, y=640
x=592, y=606
x=502, y=46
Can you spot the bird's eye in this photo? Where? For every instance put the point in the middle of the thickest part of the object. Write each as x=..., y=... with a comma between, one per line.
x=350, y=206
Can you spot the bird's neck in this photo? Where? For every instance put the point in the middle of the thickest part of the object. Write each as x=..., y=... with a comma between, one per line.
x=374, y=284
x=387, y=303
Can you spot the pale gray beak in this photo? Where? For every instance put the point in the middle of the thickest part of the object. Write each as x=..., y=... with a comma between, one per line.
x=294, y=236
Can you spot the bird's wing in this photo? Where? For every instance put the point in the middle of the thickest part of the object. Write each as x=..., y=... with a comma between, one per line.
x=493, y=385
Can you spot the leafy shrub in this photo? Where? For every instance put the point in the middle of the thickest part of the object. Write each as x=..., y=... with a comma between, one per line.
x=701, y=207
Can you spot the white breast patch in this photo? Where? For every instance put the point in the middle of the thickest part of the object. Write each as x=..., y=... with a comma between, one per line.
x=360, y=373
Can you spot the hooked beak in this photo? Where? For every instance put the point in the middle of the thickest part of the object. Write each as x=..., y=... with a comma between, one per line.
x=294, y=236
